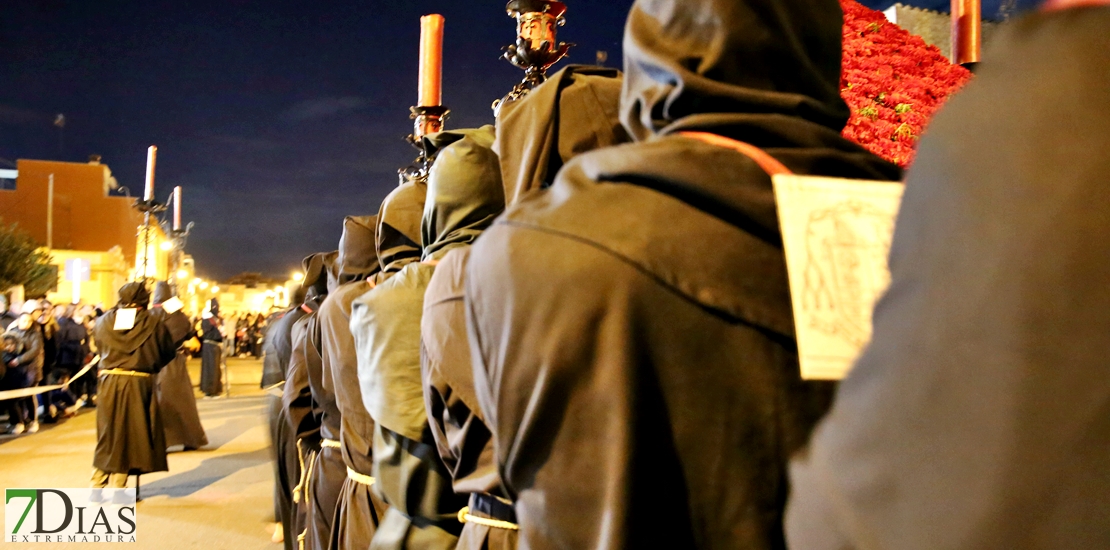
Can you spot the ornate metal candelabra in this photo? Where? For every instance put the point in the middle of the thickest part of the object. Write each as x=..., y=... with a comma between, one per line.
x=426, y=120
x=149, y=208
x=536, y=48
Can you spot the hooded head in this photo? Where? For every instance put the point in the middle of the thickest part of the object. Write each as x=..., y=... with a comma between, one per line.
x=689, y=61
x=575, y=111
x=162, y=292
x=358, y=258
x=464, y=193
x=316, y=269
x=399, y=226
x=134, y=295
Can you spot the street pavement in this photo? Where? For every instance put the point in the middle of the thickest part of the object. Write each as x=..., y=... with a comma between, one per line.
x=219, y=497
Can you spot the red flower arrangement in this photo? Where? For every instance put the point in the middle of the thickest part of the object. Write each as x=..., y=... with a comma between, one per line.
x=892, y=81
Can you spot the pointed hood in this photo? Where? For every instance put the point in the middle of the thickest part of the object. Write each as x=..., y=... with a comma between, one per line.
x=358, y=258
x=575, y=111
x=162, y=292
x=464, y=193
x=316, y=272
x=399, y=226
x=689, y=63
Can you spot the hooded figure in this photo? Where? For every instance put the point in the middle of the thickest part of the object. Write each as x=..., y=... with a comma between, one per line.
x=358, y=508
x=306, y=405
x=635, y=356
x=212, y=350
x=277, y=352
x=466, y=195
x=134, y=346
x=575, y=111
x=977, y=416
x=410, y=475
x=174, y=388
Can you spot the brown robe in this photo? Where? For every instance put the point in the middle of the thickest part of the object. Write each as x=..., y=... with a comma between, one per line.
x=979, y=415
x=635, y=356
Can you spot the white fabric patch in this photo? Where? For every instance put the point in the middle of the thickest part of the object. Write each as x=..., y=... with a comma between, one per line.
x=125, y=318
x=173, y=305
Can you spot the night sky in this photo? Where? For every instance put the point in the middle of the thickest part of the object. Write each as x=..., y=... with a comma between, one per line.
x=278, y=118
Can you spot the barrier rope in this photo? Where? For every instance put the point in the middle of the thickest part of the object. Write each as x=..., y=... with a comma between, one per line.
x=36, y=390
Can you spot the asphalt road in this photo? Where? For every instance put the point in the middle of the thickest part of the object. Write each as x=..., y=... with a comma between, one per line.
x=219, y=497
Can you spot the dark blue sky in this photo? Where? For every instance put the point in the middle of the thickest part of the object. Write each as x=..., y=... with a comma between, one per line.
x=278, y=118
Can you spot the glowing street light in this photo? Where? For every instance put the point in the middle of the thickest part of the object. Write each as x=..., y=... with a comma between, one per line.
x=298, y=276
x=215, y=289
x=203, y=285
x=181, y=274
x=166, y=245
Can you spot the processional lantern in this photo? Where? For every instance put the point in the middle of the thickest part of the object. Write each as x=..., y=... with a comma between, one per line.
x=536, y=48
x=429, y=114
x=967, y=31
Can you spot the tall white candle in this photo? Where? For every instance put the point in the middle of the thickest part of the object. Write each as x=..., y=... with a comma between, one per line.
x=151, y=156
x=177, y=208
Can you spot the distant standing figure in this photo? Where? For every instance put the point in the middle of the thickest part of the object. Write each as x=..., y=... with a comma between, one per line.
x=134, y=346
x=211, y=351
x=174, y=389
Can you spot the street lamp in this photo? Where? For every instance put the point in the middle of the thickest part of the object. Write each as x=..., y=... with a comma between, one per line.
x=298, y=276
x=203, y=285
x=181, y=274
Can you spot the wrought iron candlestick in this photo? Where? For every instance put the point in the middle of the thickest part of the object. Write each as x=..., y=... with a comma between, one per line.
x=536, y=48
x=149, y=208
x=426, y=121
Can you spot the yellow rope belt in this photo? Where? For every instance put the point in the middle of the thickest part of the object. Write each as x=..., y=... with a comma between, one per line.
x=465, y=517
x=126, y=372
x=359, y=478
x=300, y=482
x=331, y=443
x=306, y=475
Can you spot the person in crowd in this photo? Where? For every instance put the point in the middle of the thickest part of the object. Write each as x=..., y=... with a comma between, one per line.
x=72, y=340
x=358, y=509
x=85, y=387
x=30, y=371
x=173, y=387
x=977, y=416
x=277, y=351
x=48, y=324
x=644, y=317
x=212, y=350
x=19, y=362
x=7, y=316
x=134, y=346
x=306, y=405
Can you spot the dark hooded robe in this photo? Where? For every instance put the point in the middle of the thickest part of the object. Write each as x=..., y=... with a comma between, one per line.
x=316, y=419
x=398, y=246
x=130, y=438
x=359, y=509
x=299, y=435
x=278, y=349
x=576, y=110
x=466, y=195
x=412, y=478
x=173, y=387
x=212, y=352
x=977, y=416
x=631, y=327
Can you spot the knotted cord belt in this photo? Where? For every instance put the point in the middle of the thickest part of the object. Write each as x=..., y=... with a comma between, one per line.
x=331, y=443
x=126, y=373
x=477, y=499
x=306, y=481
x=359, y=478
